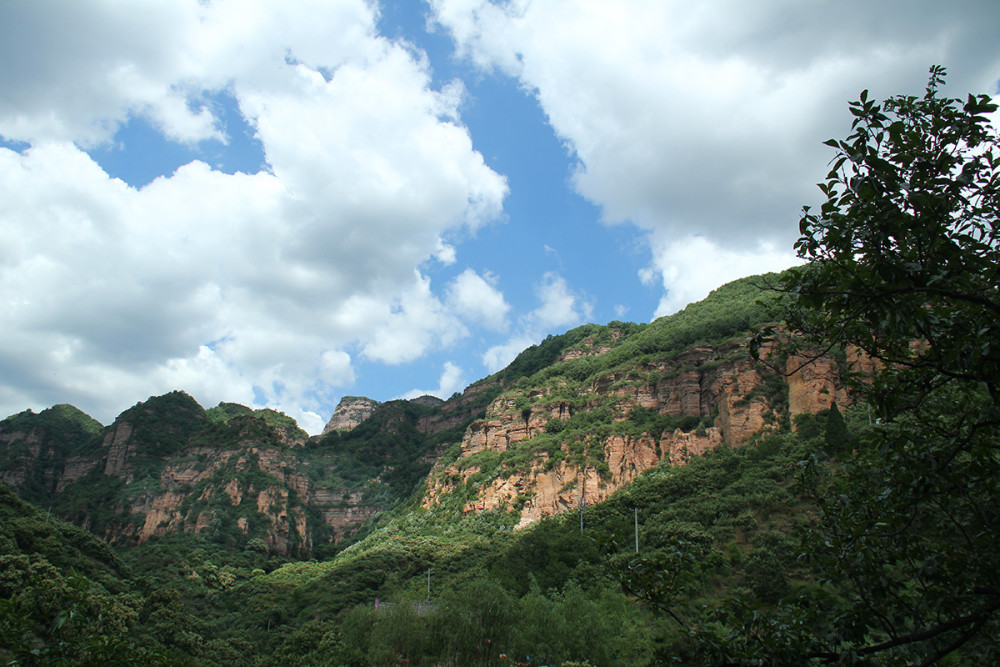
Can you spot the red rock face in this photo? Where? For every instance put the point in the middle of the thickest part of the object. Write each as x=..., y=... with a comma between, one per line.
x=702, y=381
x=814, y=384
x=257, y=474
x=74, y=468
x=351, y=411
x=162, y=511
x=192, y=475
x=117, y=442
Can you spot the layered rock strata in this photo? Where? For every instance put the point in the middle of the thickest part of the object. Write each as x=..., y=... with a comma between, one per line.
x=349, y=413
x=738, y=397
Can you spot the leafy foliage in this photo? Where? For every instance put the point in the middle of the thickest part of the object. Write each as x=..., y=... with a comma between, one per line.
x=278, y=421
x=201, y=601
x=543, y=355
x=63, y=594
x=904, y=267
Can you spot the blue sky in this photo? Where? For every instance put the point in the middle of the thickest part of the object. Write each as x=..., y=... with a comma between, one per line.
x=282, y=204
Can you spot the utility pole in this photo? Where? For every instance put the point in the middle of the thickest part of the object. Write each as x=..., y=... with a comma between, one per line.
x=636, y=510
x=428, y=584
x=583, y=495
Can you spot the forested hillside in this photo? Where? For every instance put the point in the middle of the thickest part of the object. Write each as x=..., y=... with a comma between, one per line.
x=555, y=590
x=178, y=489
x=234, y=476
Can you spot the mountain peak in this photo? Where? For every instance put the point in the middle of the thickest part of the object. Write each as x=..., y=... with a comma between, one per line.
x=351, y=411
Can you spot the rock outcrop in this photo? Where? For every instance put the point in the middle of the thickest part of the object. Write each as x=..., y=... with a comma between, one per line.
x=172, y=468
x=266, y=486
x=723, y=396
x=351, y=411
x=814, y=384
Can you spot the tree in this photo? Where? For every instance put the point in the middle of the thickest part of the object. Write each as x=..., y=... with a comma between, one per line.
x=836, y=436
x=903, y=272
x=904, y=254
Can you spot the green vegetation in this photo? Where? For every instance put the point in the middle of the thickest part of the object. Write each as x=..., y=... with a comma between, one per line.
x=77, y=427
x=548, y=591
x=58, y=433
x=543, y=355
x=64, y=595
x=387, y=445
x=223, y=412
x=280, y=422
x=904, y=266
x=863, y=534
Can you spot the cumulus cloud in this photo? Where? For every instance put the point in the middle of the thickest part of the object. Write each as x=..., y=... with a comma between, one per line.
x=251, y=287
x=707, y=118
x=82, y=68
x=693, y=266
x=413, y=324
x=699, y=123
x=477, y=299
x=559, y=308
x=452, y=380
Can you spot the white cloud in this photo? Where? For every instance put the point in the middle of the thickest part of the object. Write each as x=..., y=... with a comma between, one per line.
x=692, y=267
x=559, y=308
x=499, y=356
x=206, y=375
x=82, y=68
x=413, y=324
x=418, y=321
x=445, y=253
x=707, y=118
x=477, y=299
x=336, y=369
x=228, y=286
x=452, y=380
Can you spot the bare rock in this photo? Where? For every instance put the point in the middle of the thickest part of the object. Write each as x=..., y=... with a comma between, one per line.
x=351, y=411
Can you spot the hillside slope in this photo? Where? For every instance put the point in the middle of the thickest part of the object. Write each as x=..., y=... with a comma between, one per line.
x=569, y=421
x=234, y=476
x=591, y=415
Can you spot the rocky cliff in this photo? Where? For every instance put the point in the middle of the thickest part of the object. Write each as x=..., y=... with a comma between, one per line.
x=543, y=450
x=570, y=420
x=229, y=474
x=351, y=411
x=167, y=466
x=41, y=453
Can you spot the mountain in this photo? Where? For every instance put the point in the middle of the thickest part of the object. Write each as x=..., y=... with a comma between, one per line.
x=243, y=536
x=44, y=452
x=351, y=411
x=570, y=421
x=232, y=474
x=610, y=402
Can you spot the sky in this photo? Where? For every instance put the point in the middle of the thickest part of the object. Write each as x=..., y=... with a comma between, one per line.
x=280, y=204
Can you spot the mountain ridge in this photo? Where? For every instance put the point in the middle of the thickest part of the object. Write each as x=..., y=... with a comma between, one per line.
x=569, y=421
